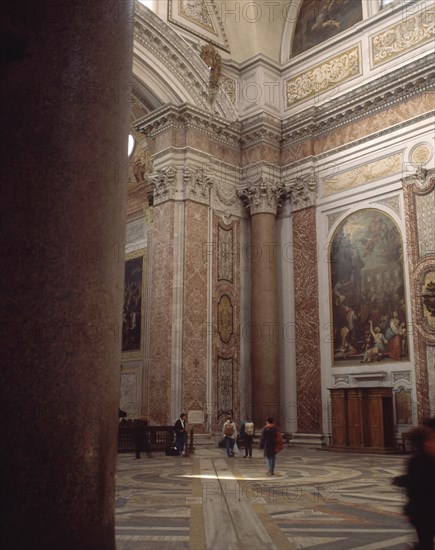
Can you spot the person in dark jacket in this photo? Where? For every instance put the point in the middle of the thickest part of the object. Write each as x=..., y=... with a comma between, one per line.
x=180, y=433
x=140, y=435
x=268, y=443
x=419, y=484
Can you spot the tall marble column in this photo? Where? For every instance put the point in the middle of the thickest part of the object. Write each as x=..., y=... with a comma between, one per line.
x=65, y=68
x=262, y=198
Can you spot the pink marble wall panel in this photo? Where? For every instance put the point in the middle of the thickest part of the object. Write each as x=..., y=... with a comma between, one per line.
x=420, y=361
x=230, y=349
x=194, y=373
x=159, y=382
x=309, y=404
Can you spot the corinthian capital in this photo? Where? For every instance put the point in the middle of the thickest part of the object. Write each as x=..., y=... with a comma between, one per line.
x=196, y=184
x=263, y=196
x=302, y=191
x=164, y=185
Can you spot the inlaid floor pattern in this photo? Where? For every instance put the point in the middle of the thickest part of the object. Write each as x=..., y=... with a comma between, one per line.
x=318, y=500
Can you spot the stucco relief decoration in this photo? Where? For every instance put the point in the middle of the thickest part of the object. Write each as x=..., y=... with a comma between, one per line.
x=197, y=184
x=421, y=154
x=213, y=61
x=164, y=184
x=135, y=231
x=263, y=196
x=142, y=166
x=225, y=254
x=392, y=202
x=367, y=290
x=226, y=192
x=323, y=77
x=201, y=18
x=230, y=87
x=225, y=319
x=411, y=32
x=423, y=187
x=365, y=173
x=224, y=386
x=302, y=191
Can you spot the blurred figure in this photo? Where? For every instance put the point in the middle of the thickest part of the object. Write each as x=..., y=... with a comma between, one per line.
x=140, y=435
x=247, y=432
x=419, y=484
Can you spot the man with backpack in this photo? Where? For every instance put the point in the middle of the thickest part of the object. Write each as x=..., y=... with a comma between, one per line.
x=229, y=433
x=247, y=431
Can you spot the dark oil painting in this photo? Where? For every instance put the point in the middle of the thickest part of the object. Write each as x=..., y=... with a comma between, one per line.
x=367, y=290
x=132, y=307
x=319, y=20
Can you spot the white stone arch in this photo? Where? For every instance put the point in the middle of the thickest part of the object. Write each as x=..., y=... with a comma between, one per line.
x=171, y=68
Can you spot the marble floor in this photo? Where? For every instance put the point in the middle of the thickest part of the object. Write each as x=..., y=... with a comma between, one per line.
x=318, y=500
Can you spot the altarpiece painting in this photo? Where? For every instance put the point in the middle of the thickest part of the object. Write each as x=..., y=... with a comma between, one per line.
x=367, y=293
x=132, y=307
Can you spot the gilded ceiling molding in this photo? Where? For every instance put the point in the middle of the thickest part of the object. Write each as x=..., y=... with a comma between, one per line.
x=162, y=46
x=397, y=86
x=263, y=196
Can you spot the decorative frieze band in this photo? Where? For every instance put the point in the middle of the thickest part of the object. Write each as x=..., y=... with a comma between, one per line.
x=323, y=77
x=403, y=36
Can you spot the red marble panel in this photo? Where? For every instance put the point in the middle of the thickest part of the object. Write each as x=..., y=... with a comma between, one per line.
x=159, y=382
x=195, y=308
x=414, y=262
x=309, y=403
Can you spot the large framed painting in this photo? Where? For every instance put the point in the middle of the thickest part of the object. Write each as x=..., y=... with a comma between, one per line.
x=367, y=290
x=132, y=310
x=319, y=20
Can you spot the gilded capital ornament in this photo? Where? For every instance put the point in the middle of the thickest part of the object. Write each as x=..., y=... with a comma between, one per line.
x=263, y=196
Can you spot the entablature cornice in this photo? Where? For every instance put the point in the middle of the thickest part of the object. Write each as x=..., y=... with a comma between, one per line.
x=187, y=117
x=259, y=129
x=393, y=88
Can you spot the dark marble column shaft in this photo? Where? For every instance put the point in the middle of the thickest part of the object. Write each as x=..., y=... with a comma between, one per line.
x=65, y=73
x=264, y=332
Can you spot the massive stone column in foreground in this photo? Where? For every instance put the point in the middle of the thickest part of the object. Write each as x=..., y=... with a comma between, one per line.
x=262, y=198
x=65, y=70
